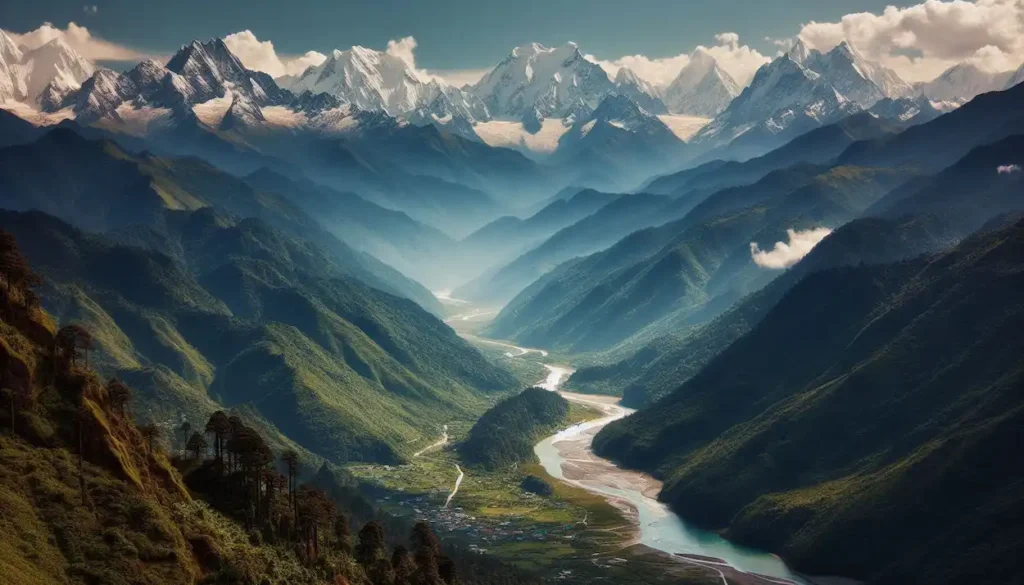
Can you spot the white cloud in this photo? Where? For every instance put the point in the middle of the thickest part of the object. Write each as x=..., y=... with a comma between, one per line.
x=659, y=72
x=1007, y=169
x=90, y=9
x=739, y=61
x=79, y=37
x=261, y=56
x=922, y=40
x=784, y=254
x=405, y=49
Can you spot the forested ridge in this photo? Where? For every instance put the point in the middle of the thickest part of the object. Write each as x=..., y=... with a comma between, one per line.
x=88, y=496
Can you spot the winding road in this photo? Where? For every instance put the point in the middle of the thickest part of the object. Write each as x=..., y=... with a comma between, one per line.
x=458, y=482
x=440, y=443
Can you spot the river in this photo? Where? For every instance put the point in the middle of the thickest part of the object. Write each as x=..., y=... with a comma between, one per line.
x=567, y=456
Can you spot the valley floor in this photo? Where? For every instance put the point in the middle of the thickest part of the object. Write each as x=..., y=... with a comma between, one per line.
x=578, y=535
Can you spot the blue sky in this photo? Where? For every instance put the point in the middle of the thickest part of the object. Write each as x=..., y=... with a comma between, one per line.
x=460, y=38
x=452, y=34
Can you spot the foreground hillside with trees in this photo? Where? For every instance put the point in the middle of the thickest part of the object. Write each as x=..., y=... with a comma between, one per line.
x=87, y=496
x=839, y=442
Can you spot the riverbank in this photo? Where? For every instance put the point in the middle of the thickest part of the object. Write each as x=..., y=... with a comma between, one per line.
x=568, y=456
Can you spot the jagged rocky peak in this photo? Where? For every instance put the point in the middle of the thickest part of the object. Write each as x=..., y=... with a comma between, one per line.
x=962, y=82
x=801, y=53
x=49, y=72
x=210, y=58
x=9, y=51
x=702, y=87
x=551, y=80
x=622, y=113
x=628, y=83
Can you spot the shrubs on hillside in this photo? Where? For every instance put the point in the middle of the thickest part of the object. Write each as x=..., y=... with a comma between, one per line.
x=96, y=500
x=506, y=433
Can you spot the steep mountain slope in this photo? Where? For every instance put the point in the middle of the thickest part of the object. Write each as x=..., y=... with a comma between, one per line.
x=784, y=100
x=90, y=497
x=986, y=173
x=541, y=82
x=204, y=102
x=698, y=271
x=855, y=77
x=508, y=237
x=619, y=143
x=244, y=314
x=905, y=397
x=626, y=214
x=505, y=435
x=797, y=92
x=924, y=215
x=937, y=144
x=98, y=186
x=702, y=87
x=659, y=367
x=412, y=247
x=14, y=130
x=641, y=92
x=962, y=82
x=910, y=110
x=369, y=80
x=87, y=498
x=41, y=76
x=1016, y=79
x=819, y=146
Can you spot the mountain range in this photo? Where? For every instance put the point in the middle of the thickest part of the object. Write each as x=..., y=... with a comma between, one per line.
x=811, y=302
x=204, y=101
x=800, y=455
x=299, y=336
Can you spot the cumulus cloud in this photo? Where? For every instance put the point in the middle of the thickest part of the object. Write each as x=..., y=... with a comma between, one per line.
x=659, y=72
x=739, y=61
x=786, y=254
x=1007, y=169
x=921, y=41
x=403, y=48
x=261, y=56
x=80, y=39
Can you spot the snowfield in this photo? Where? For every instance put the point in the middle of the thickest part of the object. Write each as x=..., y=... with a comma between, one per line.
x=513, y=135
x=684, y=126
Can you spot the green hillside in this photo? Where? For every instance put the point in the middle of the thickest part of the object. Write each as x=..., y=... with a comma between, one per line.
x=246, y=315
x=99, y=187
x=505, y=434
x=684, y=273
x=661, y=365
x=865, y=427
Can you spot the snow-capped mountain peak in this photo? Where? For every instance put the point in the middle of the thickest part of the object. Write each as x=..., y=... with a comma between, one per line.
x=1016, y=78
x=800, y=52
x=857, y=78
x=784, y=99
x=9, y=51
x=702, y=87
x=48, y=72
x=553, y=81
x=207, y=67
x=962, y=82
x=368, y=79
x=629, y=84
